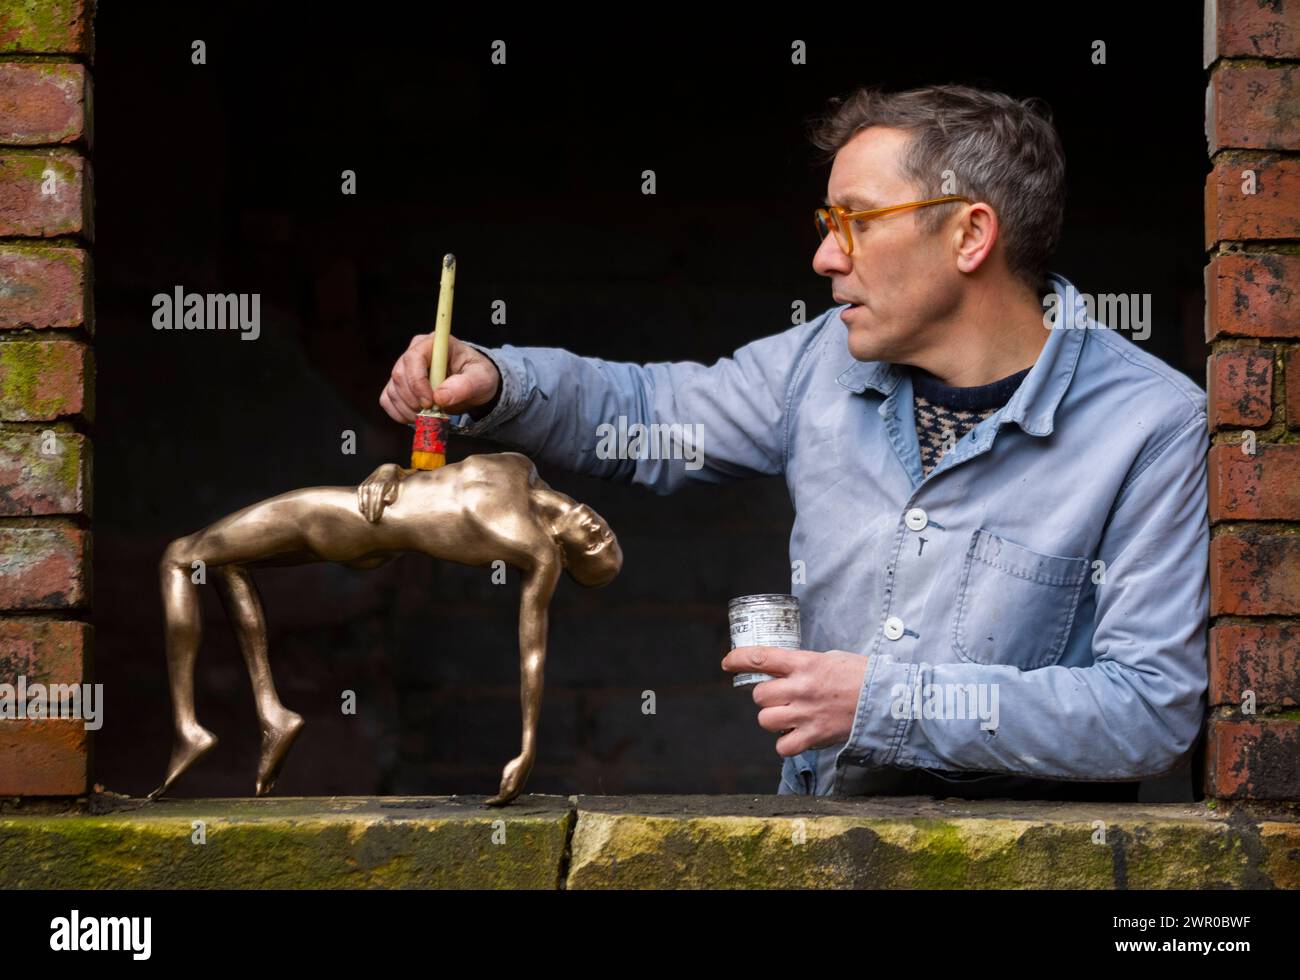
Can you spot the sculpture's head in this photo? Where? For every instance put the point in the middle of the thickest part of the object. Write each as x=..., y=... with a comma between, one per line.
x=591, y=552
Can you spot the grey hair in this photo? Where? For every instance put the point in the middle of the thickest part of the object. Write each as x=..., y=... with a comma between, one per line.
x=1000, y=150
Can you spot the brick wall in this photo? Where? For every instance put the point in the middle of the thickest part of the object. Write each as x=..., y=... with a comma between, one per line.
x=46, y=380
x=1252, y=322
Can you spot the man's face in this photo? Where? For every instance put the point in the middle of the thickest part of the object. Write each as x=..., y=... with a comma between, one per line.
x=903, y=281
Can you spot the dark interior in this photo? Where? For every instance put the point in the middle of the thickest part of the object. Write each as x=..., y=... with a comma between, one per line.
x=226, y=177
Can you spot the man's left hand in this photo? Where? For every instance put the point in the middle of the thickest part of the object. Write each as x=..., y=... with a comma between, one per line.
x=812, y=701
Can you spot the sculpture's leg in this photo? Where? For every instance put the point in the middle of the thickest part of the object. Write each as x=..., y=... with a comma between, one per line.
x=535, y=598
x=183, y=631
x=278, y=724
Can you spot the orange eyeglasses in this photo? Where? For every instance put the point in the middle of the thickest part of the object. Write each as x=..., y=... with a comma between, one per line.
x=835, y=218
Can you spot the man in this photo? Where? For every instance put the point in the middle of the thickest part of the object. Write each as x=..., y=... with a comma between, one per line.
x=1003, y=527
x=483, y=509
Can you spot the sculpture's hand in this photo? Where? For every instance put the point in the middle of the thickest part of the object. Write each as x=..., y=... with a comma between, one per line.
x=513, y=777
x=380, y=489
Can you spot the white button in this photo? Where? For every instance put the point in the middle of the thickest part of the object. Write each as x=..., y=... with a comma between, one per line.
x=893, y=627
x=916, y=519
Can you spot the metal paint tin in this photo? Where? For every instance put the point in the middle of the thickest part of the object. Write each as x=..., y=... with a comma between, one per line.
x=770, y=620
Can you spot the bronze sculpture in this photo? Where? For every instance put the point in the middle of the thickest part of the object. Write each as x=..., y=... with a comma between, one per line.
x=484, y=508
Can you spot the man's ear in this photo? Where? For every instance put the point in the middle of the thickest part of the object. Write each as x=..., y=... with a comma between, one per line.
x=974, y=237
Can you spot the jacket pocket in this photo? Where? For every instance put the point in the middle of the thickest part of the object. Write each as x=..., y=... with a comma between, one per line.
x=1015, y=606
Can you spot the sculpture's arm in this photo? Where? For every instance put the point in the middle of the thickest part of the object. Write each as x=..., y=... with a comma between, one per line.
x=380, y=489
x=534, y=601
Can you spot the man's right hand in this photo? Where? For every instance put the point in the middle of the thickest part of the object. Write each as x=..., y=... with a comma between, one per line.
x=472, y=380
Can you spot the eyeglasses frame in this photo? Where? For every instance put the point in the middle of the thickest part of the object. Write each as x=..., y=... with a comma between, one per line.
x=842, y=216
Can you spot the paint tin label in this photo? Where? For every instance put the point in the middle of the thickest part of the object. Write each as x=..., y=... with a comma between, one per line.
x=770, y=620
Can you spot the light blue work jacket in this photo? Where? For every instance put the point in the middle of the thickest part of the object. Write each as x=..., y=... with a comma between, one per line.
x=1036, y=605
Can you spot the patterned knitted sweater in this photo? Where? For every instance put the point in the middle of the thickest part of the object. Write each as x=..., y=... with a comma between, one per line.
x=944, y=414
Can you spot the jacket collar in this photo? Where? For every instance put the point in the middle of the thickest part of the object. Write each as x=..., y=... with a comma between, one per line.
x=1033, y=406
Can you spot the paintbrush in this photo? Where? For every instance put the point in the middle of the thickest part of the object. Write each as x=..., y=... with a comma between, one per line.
x=429, y=447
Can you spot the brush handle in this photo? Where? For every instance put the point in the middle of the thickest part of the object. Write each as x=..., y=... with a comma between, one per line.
x=442, y=326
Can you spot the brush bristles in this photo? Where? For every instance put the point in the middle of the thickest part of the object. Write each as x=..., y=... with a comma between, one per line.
x=427, y=461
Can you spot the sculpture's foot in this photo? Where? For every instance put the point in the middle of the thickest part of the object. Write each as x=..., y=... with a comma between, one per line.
x=189, y=749
x=513, y=778
x=276, y=742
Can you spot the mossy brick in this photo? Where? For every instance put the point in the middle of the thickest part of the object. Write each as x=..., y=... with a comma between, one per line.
x=1252, y=295
x=914, y=842
x=45, y=193
x=45, y=567
x=47, y=27
x=1256, y=759
x=43, y=380
x=44, y=471
x=1262, y=658
x=43, y=104
x=1250, y=29
x=1253, y=107
x=1254, y=572
x=44, y=287
x=1273, y=209
x=334, y=842
x=49, y=757
x=1240, y=387
x=45, y=651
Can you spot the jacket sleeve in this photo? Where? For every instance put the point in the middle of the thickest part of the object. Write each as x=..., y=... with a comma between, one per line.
x=657, y=425
x=1134, y=712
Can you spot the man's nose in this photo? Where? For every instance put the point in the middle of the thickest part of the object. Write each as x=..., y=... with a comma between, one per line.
x=829, y=259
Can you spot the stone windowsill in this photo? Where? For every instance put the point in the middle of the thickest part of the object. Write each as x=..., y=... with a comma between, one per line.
x=548, y=842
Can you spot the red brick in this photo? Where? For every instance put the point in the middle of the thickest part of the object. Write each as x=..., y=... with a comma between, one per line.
x=46, y=567
x=44, y=103
x=36, y=483
x=1251, y=29
x=43, y=286
x=1257, y=759
x=47, y=27
x=1291, y=368
x=1264, y=486
x=1273, y=211
x=1258, y=657
x=43, y=380
x=1252, y=295
x=1253, y=108
x=1240, y=387
x=25, y=208
x=48, y=651
x=1254, y=572
x=50, y=757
